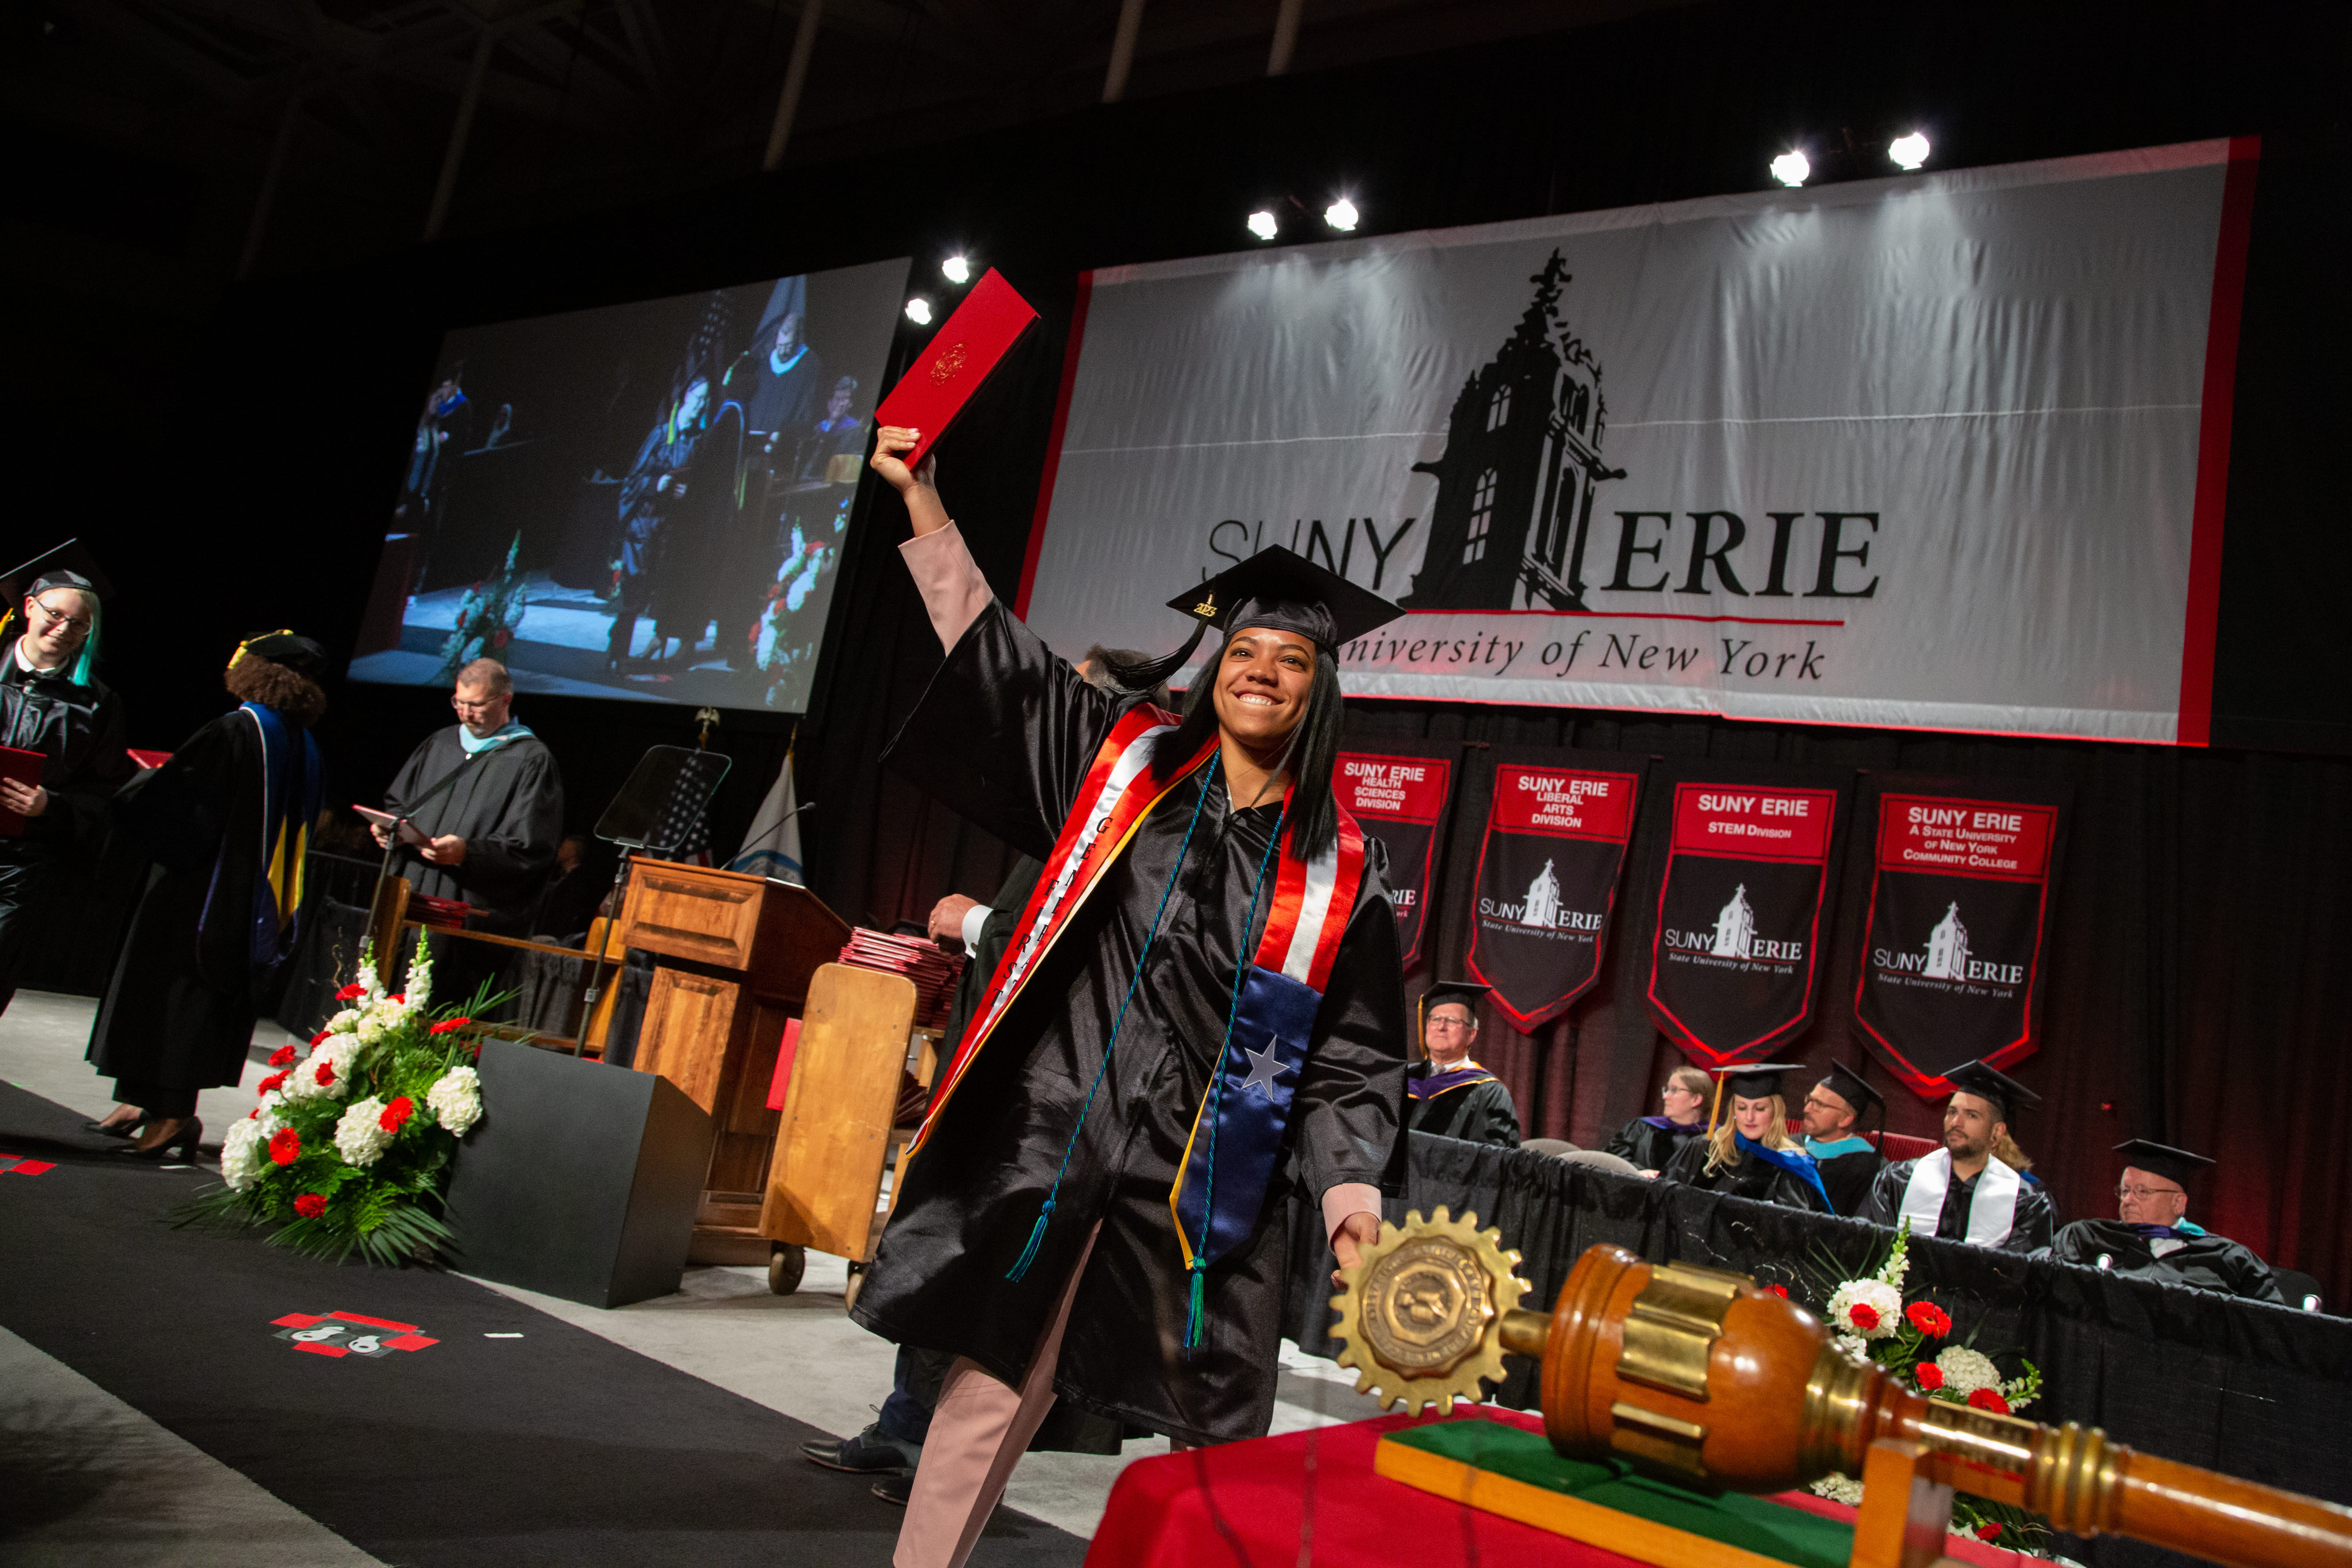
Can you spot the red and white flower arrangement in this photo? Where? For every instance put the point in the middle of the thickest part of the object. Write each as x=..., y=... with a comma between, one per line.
x=349, y=1147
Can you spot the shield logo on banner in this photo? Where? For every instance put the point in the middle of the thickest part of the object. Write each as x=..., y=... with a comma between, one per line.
x=1733, y=961
x=1401, y=801
x=1547, y=885
x=1951, y=960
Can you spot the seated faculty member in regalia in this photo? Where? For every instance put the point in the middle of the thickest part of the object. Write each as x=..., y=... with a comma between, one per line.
x=1452, y=1096
x=1201, y=1013
x=2151, y=1235
x=1649, y=1142
x=1750, y=1154
x=1831, y=1118
x=1975, y=1188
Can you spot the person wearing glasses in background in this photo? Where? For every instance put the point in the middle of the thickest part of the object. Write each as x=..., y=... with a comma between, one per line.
x=488, y=799
x=2151, y=1236
x=52, y=705
x=1649, y=1142
x=1450, y=1094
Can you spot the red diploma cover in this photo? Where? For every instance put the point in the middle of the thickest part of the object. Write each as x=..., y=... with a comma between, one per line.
x=24, y=768
x=958, y=357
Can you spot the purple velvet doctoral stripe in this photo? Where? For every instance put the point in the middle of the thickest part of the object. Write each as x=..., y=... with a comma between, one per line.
x=1679, y=1128
x=1437, y=1083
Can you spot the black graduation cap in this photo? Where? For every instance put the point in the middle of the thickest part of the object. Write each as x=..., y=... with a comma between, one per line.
x=2005, y=1092
x=1466, y=992
x=1848, y=1085
x=1754, y=1079
x=295, y=652
x=2175, y=1165
x=1278, y=587
x=71, y=560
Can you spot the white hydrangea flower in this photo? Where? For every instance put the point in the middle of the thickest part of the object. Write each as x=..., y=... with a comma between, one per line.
x=1882, y=1299
x=1966, y=1371
x=372, y=1027
x=344, y=1022
x=1839, y=1489
x=335, y=1055
x=266, y=1116
x=244, y=1154
x=456, y=1099
x=360, y=1137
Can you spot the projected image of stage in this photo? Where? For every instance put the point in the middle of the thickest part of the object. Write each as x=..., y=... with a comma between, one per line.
x=646, y=501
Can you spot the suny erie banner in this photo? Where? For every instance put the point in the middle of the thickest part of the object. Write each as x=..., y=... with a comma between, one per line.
x=1954, y=945
x=1735, y=956
x=1546, y=881
x=1943, y=450
x=1400, y=799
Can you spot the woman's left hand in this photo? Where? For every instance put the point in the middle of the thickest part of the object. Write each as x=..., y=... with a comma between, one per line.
x=23, y=799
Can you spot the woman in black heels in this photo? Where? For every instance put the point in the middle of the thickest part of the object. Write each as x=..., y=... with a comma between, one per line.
x=226, y=821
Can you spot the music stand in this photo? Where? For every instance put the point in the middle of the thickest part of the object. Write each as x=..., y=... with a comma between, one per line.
x=666, y=794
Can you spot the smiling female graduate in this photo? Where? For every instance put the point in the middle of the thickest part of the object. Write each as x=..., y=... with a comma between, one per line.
x=1201, y=1012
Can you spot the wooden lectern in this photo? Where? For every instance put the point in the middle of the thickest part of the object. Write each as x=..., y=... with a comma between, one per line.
x=735, y=956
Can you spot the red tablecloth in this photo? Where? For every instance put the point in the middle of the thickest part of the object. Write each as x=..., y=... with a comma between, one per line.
x=1312, y=1497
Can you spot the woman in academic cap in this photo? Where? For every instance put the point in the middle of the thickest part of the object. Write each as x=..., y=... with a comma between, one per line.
x=1202, y=1014
x=52, y=704
x=1750, y=1154
x=227, y=823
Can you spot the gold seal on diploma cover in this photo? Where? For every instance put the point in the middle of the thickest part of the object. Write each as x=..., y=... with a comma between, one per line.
x=1417, y=1315
x=943, y=369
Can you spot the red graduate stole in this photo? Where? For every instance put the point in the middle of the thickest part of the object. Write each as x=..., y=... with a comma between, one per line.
x=1118, y=793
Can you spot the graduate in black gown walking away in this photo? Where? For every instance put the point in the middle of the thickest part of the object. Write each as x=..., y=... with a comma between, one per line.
x=1648, y=1142
x=1202, y=1014
x=227, y=823
x=1749, y=1152
x=1452, y=1096
x=2151, y=1235
x=1848, y=1162
x=1976, y=1188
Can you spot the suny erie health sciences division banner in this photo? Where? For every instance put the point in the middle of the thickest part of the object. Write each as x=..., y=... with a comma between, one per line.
x=1735, y=956
x=1554, y=843
x=1954, y=945
x=1400, y=799
x=1933, y=451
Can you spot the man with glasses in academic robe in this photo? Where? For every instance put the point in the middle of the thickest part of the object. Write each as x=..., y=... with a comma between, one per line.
x=2152, y=1237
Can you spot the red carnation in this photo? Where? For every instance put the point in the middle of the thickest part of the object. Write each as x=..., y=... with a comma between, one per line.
x=1928, y=1318
x=351, y=992
x=1988, y=1530
x=284, y=1146
x=1780, y=1290
x=325, y=1074
x=397, y=997
x=1988, y=1399
x=398, y=1112
x=284, y=1056
x=275, y=1080
x=1863, y=1316
x=447, y=1024
x=1929, y=1376
x=498, y=638
x=311, y=1206
x=321, y=1038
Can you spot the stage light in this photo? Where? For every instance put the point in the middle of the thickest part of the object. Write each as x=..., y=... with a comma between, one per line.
x=1909, y=152
x=1342, y=215
x=919, y=310
x=1791, y=168
x=1261, y=224
x=957, y=268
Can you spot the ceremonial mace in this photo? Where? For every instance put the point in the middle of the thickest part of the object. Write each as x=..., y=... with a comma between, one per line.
x=1697, y=1376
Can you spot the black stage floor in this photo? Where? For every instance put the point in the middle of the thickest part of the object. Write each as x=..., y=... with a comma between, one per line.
x=556, y=1448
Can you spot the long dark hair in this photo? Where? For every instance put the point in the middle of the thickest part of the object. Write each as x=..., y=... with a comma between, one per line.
x=1312, y=753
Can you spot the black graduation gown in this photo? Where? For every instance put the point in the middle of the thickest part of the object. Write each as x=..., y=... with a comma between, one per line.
x=507, y=807
x=1849, y=1177
x=180, y=1009
x=1648, y=1146
x=80, y=731
x=2035, y=1217
x=996, y=936
x=2207, y=1261
x=1479, y=1112
x=1747, y=1177
x=1004, y=735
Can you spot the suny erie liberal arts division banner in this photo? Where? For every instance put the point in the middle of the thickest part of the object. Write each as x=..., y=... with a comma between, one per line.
x=1546, y=881
x=1953, y=947
x=1935, y=450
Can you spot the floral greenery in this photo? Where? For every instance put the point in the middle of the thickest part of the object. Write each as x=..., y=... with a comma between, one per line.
x=1871, y=1320
x=349, y=1146
x=486, y=617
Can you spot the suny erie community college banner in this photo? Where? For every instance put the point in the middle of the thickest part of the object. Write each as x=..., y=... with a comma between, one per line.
x=1945, y=450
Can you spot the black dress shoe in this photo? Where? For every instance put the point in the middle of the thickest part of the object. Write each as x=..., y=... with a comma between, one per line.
x=112, y=1129
x=895, y=1489
x=869, y=1453
x=182, y=1143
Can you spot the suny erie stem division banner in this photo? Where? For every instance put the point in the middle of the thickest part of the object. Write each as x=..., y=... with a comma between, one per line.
x=1400, y=799
x=1546, y=881
x=1928, y=451
x=1735, y=957
x=1954, y=945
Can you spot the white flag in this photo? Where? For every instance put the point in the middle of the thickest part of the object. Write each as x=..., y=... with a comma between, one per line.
x=772, y=847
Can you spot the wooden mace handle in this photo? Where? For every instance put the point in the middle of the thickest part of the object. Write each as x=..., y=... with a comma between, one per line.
x=2227, y=1519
